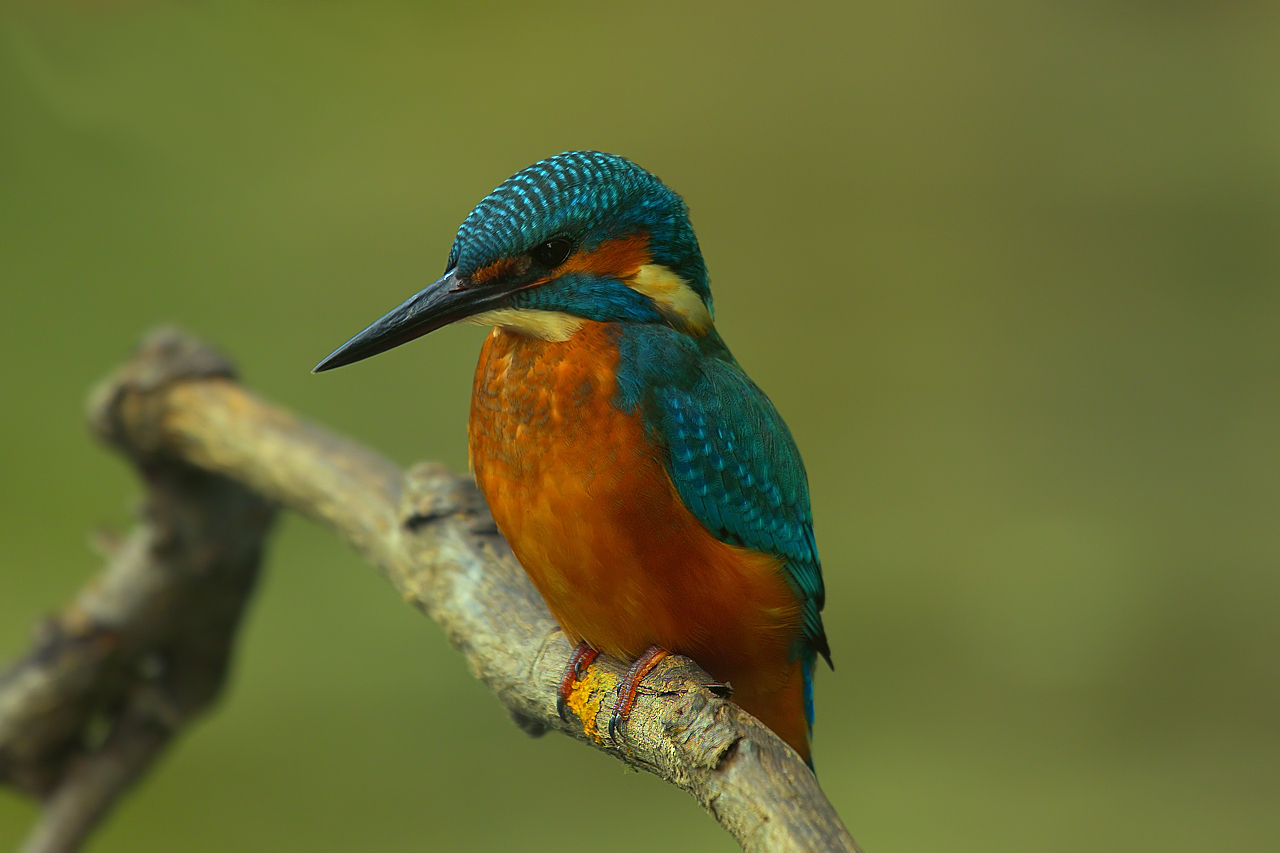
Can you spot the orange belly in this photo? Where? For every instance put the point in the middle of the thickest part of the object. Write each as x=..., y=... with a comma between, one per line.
x=582, y=496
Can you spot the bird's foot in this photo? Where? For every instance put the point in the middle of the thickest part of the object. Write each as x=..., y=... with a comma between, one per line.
x=631, y=683
x=581, y=658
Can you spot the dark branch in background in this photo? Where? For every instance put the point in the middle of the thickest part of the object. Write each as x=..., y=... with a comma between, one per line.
x=146, y=646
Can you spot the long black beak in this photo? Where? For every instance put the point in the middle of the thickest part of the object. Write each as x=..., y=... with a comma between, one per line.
x=439, y=304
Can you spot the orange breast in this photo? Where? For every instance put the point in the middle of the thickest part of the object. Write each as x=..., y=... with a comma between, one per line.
x=581, y=494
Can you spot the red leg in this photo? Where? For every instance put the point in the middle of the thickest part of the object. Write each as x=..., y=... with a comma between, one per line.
x=631, y=683
x=581, y=658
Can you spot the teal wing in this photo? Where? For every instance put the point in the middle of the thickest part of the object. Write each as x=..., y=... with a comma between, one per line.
x=737, y=469
x=731, y=458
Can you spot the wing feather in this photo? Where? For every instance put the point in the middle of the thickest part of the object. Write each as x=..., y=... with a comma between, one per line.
x=731, y=458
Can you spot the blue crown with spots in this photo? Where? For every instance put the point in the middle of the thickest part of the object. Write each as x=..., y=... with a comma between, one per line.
x=587, y=196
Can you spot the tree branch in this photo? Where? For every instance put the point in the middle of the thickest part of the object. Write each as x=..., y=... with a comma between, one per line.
x=146, y=647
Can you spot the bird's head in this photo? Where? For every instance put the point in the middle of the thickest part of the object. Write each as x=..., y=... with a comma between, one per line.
x=576, y=237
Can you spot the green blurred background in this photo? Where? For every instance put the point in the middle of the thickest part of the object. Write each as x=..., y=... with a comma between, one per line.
x=1011, y=271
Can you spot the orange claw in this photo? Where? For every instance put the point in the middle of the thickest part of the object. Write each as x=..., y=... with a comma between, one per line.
x=631, y=683
x=581, y=658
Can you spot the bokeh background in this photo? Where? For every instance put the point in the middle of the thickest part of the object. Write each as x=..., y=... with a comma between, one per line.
x=1010, y=270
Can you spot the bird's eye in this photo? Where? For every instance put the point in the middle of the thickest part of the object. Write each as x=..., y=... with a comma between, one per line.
x=552, y=253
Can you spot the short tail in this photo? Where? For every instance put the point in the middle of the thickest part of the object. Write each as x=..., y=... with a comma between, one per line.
x=806, y=663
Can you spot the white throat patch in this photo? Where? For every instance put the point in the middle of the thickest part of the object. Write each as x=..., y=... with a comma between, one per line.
x=544, y=325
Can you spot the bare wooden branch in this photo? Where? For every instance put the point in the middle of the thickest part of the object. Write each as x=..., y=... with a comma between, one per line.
x=176, y=408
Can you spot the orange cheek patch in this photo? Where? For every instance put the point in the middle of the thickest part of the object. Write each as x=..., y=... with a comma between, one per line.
x=621, y=257
x=497, y=269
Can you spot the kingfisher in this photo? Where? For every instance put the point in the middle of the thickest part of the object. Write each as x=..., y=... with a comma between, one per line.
x=648, y=487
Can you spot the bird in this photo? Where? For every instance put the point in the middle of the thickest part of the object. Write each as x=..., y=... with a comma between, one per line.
x=650, y=489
